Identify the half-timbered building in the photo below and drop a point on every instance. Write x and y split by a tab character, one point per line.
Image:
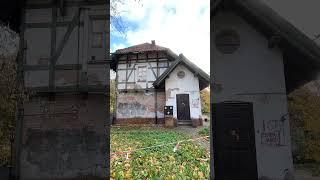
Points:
151	77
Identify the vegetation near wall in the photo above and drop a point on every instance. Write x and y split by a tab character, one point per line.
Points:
9	92
112	95
205	101
304	109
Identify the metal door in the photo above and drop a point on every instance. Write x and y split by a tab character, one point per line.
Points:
183	108
234	141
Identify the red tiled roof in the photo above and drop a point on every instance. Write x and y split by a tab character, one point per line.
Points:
141	48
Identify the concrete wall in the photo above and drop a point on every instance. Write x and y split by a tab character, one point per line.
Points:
254	73
64	138
139	107
188	85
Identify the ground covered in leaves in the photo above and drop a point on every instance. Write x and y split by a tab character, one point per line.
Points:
189	161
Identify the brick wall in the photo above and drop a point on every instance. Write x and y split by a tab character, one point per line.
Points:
64	138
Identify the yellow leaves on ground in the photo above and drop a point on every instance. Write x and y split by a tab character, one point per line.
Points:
159	162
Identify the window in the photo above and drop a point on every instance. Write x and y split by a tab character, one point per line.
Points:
227	41
142	73
181	74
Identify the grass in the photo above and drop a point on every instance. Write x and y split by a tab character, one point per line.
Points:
313	168
190	161
204	132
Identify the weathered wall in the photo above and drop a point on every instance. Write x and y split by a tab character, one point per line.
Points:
64	138
139	105
9	44
65	53
128	72
78	61
254	73
188	85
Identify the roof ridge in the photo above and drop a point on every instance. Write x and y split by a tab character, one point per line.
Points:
143	47
186	62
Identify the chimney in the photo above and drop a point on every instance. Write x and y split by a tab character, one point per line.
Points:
153	42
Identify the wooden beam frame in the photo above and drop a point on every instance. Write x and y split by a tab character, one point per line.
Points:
73	88
53	47
66	4
155	75
49	24
57	67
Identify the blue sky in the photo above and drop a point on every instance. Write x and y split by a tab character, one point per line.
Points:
183	26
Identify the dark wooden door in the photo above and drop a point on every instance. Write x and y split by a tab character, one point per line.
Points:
183	107
234	141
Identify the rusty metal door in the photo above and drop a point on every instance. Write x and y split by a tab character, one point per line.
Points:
183	108
234	141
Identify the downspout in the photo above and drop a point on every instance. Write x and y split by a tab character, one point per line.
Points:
20	84
156	105
114	117
155	92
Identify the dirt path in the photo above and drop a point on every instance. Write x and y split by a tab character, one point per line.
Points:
193	132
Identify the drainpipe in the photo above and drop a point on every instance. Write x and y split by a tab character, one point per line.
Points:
156	105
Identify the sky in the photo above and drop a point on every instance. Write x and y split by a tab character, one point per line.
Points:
181	25
304	15
184	25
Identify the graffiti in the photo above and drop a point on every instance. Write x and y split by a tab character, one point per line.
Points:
195	103
129	98
270	138
134	109
132	105
273	125
273	133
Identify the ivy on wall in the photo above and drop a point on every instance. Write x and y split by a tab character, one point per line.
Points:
304	112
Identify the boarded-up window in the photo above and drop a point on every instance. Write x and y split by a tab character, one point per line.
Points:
142	73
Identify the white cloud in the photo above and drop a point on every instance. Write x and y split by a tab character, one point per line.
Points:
115	46
183	26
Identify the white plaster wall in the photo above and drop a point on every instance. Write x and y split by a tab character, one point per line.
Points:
188	85
254	73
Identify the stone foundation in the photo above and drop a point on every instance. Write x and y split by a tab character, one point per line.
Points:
138	121
64	138
197	122
170	122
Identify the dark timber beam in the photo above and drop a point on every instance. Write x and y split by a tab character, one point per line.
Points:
53	46
48	24
57	67
66	4
154	73
134	66
126	72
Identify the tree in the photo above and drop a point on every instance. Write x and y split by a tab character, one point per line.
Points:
10	91
112	95
205	101
305	125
